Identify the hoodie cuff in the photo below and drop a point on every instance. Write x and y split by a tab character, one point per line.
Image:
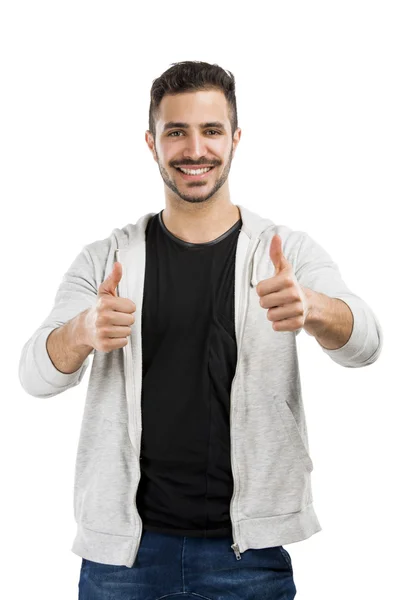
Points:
45	367
358	339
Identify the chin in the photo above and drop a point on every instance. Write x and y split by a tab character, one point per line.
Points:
194	200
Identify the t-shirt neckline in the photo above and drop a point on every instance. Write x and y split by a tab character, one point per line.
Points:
201	244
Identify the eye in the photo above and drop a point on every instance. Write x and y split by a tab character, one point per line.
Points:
208	130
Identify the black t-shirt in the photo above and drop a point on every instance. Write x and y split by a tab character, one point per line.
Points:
189	361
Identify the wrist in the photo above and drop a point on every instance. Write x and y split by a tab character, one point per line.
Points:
79	331
313	324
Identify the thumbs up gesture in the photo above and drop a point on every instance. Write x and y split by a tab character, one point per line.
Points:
107	324
282	294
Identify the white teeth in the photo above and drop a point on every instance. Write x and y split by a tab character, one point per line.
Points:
195	171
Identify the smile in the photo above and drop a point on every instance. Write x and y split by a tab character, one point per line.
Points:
194	174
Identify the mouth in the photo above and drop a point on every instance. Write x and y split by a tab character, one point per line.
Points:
194	174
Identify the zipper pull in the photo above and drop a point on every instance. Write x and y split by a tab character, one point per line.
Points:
235	548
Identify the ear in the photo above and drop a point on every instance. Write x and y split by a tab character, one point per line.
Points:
151	144
236	139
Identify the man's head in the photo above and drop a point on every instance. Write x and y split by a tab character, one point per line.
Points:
193	123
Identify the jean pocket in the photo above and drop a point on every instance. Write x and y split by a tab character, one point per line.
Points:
100	571
285	554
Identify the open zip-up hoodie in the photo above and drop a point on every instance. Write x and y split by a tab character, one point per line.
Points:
272	502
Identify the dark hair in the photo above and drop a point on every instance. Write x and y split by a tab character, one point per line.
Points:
192	76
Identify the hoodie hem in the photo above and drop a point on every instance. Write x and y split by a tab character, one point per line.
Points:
265	532
262	532
106	548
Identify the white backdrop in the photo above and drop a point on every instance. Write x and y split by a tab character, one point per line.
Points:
318	104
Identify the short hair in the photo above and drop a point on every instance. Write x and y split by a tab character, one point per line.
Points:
190	76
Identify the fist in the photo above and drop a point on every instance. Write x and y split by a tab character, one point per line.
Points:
281	295
108	323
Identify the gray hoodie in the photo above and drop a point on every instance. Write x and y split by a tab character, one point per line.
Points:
272	502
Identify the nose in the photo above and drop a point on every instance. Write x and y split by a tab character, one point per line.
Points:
195	147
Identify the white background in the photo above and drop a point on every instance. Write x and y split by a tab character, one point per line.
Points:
318	103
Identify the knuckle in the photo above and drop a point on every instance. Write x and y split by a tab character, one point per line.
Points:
103	331
100	320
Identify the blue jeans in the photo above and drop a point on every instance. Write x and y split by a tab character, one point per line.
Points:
180	567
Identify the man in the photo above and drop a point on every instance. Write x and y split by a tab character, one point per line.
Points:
193	467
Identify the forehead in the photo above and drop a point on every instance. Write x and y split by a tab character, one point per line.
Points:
193	108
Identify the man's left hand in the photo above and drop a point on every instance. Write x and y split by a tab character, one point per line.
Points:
282	294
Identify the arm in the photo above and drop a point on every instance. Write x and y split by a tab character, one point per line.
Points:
329	320
64	345
355	345
38	374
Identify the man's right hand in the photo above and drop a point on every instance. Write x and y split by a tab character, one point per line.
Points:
107	324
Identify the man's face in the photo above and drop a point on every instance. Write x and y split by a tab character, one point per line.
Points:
183	139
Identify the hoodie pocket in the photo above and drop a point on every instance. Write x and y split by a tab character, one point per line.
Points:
292	431
105	480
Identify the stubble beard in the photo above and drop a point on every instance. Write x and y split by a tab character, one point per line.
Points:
196	198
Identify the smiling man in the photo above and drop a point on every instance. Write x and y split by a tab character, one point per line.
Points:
193	138
202	145
193	467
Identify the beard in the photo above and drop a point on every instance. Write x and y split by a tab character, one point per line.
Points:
196	196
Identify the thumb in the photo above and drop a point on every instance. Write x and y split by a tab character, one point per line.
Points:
109	285
276	255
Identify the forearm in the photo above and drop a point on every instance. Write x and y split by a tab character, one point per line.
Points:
65	345
329	320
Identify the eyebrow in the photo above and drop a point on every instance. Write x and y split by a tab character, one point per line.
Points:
172	124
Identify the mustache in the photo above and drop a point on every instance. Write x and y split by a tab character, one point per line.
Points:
190	164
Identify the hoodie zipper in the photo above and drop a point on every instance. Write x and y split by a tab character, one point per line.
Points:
128	365
242	311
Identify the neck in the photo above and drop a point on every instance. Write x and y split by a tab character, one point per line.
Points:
199	223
